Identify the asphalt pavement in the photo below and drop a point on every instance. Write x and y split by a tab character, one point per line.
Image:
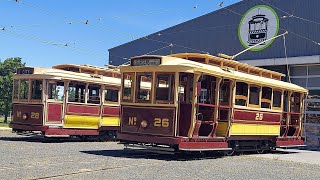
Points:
33	158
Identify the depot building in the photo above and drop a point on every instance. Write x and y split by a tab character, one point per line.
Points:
243	25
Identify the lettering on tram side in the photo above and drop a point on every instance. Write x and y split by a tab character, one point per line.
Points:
259	117
35	115
158	122
146	120
19	114
132	121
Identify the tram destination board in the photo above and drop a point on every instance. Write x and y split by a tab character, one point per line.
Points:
146	62
25	70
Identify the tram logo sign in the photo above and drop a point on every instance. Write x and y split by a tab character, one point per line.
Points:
257	25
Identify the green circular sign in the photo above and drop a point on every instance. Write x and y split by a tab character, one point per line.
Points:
257	25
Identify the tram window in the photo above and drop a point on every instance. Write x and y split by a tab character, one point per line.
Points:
111	95
94	94
185	88
36	89
266	97
224	93
16	89
164	87
285	101
208	84
295	102
254	95
76	92
24	89
127	83
144	83
277	99
241	93
56	91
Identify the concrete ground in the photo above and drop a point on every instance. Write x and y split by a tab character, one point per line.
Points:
32	158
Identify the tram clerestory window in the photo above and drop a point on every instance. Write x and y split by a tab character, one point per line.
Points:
266	97
36	89
254	95
24	89
164	87
111	95
241	93
16	89
94	94
144	84
56	91
127	83
76	92
277	99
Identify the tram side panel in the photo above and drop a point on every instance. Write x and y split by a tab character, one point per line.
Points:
27	117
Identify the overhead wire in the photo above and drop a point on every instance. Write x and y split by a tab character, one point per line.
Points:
291	14
63	45
87	22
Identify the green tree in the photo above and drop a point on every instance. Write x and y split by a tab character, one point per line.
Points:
7	69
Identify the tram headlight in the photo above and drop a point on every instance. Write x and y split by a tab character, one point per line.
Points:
25	116
144	124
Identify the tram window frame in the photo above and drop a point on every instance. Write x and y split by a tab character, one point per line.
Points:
185	89
93	99
36	90
279	97
224	95
80	98
112	90
294	104
257	104
242	96
139	77
128	85
56	85
266	98
16	83
25	92
208	88
170	83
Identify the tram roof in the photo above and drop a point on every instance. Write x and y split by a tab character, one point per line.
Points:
59	74
85	67
174	63
214	60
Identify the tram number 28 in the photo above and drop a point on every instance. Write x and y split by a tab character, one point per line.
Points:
259	117
158	122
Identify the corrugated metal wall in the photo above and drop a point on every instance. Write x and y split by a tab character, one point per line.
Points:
217	32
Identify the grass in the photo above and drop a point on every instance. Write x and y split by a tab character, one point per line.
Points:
2	124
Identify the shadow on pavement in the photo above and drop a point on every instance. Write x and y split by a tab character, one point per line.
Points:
41	139
140	154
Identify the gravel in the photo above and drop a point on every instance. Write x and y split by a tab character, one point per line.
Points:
32	158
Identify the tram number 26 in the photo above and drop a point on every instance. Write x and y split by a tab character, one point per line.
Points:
158	122
259	117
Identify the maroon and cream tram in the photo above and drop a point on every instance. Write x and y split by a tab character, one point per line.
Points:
66	100
199	102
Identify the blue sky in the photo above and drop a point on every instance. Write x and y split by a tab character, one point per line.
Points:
50	32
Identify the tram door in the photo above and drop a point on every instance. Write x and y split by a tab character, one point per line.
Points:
185	91
56	91
224	107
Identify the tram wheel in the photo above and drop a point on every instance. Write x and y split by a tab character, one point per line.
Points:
84	138
230	153
261	151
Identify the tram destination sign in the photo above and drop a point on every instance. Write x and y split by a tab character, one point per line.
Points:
146	62
25	70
